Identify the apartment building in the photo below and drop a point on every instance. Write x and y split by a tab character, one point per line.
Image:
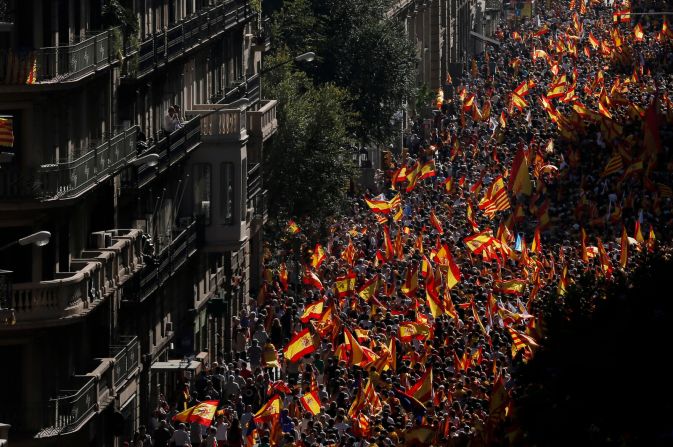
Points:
447	33
152	220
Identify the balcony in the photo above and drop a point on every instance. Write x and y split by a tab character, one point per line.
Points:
171	255
263	37
89	394
191	32
89	281
220	124
171	149
63	63
126	356
262	123
71	178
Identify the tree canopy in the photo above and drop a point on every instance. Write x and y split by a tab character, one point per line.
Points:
308	164
359	49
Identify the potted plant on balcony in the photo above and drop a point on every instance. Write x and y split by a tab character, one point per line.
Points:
125	33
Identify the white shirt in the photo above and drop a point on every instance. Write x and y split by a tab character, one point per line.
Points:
181	438
221	434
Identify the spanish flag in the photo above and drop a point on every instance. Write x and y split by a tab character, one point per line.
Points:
368	290
563	283
583	242
359	356
282	275
409	330
638	234
606	265
311	279
410	285
412	177
422	390
436	308
345	285
300	345
624	249
269	410
536	246
469	102
519	102
435	222
638	34
479	242
453	272
427	170
651	240
378	206
202	413
292	227
388	244
593	41
311	402
512	286
313	311
519	182
318	256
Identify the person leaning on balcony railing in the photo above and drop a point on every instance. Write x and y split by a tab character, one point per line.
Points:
179	119
171	121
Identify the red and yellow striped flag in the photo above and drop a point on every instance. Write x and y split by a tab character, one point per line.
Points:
6	132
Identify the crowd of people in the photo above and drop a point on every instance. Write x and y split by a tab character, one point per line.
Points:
404	324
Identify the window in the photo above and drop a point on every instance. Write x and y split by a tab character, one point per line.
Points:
227	193
202	185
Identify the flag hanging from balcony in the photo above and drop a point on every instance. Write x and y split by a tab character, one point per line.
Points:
6	132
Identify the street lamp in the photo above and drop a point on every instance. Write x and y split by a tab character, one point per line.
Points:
39	239
304	57
150	160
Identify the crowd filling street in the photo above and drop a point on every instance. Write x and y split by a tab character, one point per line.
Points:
401	322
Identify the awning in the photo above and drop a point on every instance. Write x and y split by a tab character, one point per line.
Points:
484	38
177	365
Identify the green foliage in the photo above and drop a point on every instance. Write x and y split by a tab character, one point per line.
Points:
115	14
290	28
359	49
256	5
308	162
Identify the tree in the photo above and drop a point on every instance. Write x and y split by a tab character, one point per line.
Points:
308	165
599	378
359	49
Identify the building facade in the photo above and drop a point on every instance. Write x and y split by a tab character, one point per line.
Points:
152	218
447	33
